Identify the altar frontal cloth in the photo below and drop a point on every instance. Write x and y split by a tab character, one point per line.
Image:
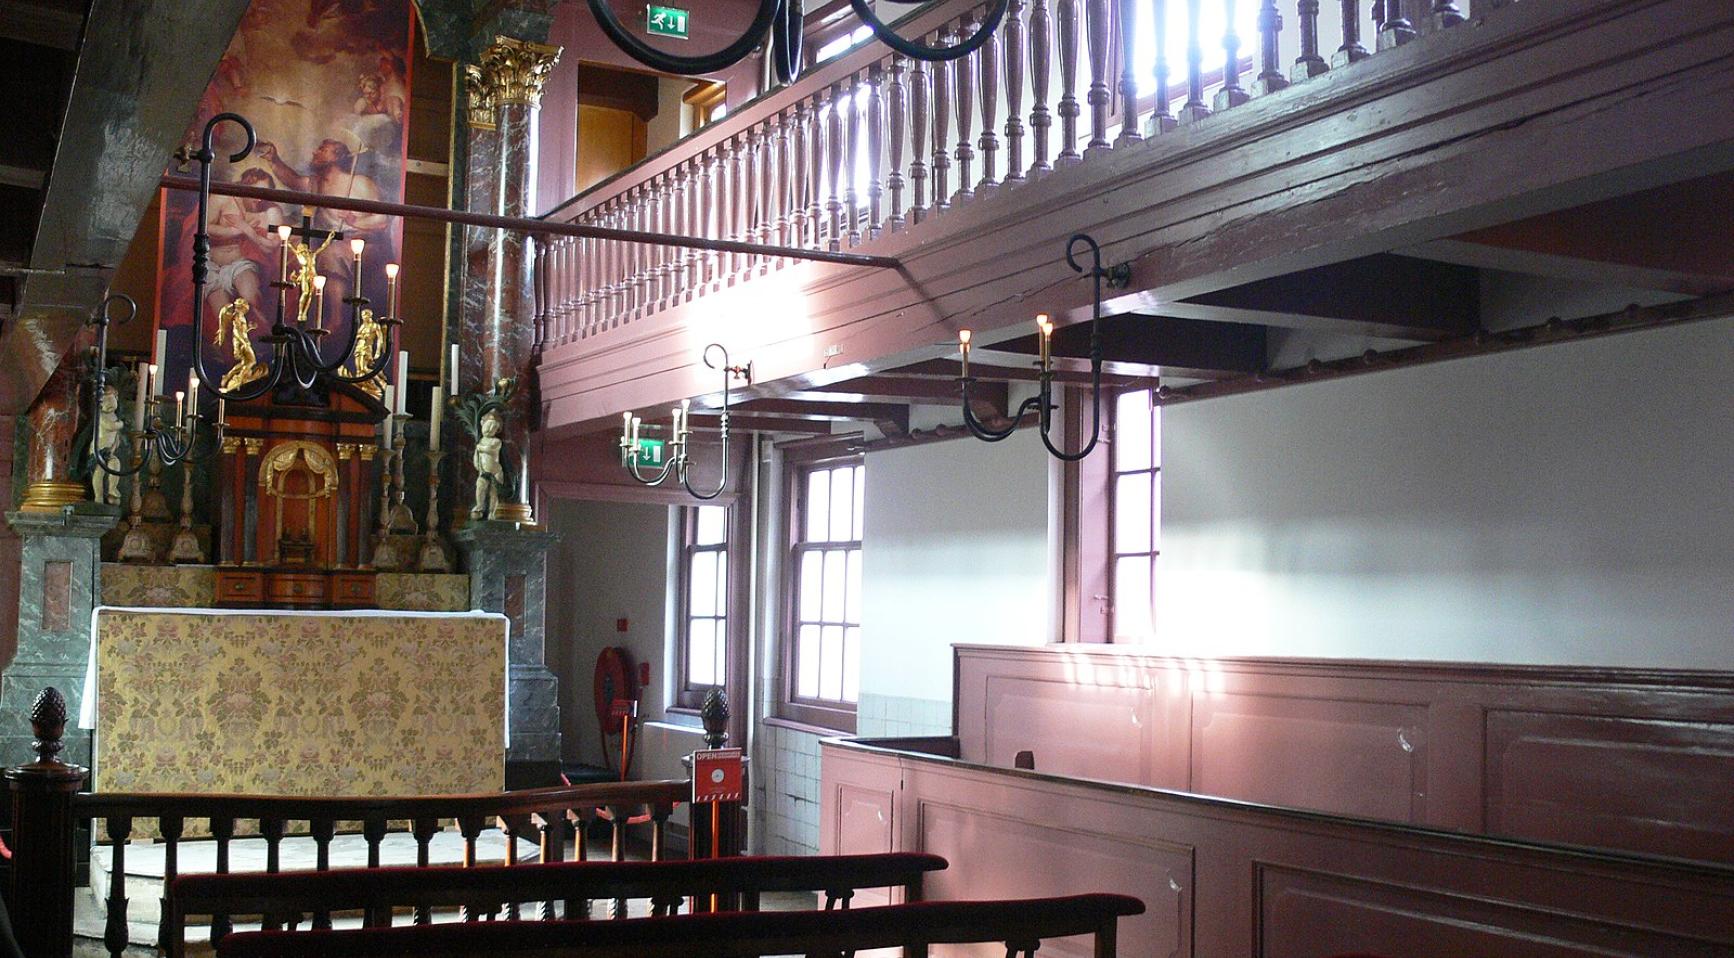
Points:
298	703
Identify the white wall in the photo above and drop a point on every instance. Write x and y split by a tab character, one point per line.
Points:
1567	504
955	550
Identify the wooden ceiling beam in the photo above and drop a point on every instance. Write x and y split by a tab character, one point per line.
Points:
1143	345
1388	296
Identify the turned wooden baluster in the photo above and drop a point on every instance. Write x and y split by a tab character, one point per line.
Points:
987	77
223	831
424	830
920	100
607	275
1131	129
114	933
1098	27
514	827
725	195
1162	119
895	106
1012	34
1066	15
737	200
767	213
963	87
619	216
707	216
687	265
785	233
851	157
1195	108
1446	14
746	198
1351	50
1270	78
835	152
574	288
795	171
668	257
618	816
875	107
1309	64
1232	94
322	830
170	827
816	168
641	209
470	827
552	828
942	131
271	829
1395	30
1041	70
583	250
650	256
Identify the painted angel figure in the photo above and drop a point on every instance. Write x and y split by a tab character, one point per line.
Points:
233	321
490	474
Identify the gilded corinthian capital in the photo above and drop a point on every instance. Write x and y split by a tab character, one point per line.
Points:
512	71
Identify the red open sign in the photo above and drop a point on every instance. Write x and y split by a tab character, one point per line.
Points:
716	775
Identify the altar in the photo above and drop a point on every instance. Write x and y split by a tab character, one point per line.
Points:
297	703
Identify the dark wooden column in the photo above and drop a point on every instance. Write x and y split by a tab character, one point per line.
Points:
43	859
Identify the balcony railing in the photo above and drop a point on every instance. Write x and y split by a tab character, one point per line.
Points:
872	143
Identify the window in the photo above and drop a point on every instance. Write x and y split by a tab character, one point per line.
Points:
823	651
705	600
1136	505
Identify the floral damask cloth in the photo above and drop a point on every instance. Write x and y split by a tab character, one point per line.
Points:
299	703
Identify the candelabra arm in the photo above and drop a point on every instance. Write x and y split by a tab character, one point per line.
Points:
985	432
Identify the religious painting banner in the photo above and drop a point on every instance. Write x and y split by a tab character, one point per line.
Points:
298	703
325	84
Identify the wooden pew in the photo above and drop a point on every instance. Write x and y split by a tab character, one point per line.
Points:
1021	926
491	892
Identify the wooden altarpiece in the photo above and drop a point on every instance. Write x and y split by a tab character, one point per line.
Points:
296	485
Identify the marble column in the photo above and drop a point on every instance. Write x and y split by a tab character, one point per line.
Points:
57	589
53	422
508	567
497	318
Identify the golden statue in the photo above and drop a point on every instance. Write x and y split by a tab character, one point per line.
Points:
370	344
233	320
306	271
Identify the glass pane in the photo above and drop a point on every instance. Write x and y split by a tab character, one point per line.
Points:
722	647
1156	512
831	664
807	662
702	596
842	503
852	603
1132	617
834	585
701	654
1132	431
1132	512
851	665
1156	436
712	525
818	504
810	582
722	584
860	501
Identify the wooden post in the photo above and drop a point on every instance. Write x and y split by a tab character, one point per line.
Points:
1309	64
1232	94
1013	34
40	896
963	88
1270	77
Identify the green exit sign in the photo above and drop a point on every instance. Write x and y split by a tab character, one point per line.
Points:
665	21
649	452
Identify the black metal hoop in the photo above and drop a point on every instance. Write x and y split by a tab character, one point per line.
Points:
920	51
786	41
669	63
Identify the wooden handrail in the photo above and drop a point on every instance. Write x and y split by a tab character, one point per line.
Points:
1021	925
355	808
483	891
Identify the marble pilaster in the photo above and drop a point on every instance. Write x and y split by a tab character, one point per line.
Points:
508	567
57	589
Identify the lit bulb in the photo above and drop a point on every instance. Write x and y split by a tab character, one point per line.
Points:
319	283
283	232
963	336
1044	323
390	268
357	245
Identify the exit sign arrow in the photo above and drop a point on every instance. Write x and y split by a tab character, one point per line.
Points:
665	22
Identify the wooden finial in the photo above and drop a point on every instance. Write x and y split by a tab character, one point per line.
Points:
48	723
715	715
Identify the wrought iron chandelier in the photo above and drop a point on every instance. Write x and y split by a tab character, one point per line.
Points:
295	342
780	22
679	462
1042	403
170	439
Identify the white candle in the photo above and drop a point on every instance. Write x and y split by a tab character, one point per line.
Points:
180	406
402	379
357	246
222	411
283	252
138	403
524	478
386	424
452	372
192	395
685	419
625	427
436	419
156	383
159	359
391	288
319	301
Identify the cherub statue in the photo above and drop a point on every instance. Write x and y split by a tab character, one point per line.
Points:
234	322
110	430
490	475
370	343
